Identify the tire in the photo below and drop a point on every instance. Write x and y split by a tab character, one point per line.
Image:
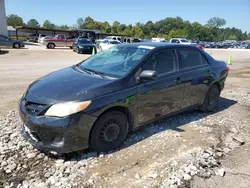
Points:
51	46
71	47
77	50
211	99
16	45
109	131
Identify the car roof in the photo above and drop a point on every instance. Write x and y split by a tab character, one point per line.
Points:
157	45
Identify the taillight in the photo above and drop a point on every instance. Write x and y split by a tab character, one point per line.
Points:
227	69
199	46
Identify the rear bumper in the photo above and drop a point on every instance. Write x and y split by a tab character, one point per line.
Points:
62	135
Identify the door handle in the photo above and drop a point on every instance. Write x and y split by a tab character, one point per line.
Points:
178	80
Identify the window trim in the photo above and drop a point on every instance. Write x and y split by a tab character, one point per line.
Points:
181	62
177	65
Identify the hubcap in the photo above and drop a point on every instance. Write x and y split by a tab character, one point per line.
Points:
16	45
110	131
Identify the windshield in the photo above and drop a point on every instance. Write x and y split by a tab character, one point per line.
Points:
116	61
184	40
83	41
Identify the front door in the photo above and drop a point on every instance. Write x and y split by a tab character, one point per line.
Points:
4	41
163	95
196	74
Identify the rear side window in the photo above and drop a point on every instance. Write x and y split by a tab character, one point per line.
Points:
204	60
190	58
161	62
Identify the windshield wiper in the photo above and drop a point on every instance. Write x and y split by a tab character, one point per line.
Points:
95	72
82	69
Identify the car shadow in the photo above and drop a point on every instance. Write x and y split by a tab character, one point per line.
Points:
2	52
32	44
173	122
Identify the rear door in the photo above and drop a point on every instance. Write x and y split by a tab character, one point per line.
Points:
196	74
163	95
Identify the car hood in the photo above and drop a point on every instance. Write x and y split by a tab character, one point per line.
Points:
68	84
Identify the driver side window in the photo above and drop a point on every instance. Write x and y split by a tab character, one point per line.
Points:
3	37
161	62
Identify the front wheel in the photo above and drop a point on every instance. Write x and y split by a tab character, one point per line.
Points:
211	99
51	46
78	50
109	132
16	45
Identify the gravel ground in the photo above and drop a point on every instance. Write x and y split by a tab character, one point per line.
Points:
152	160
192	149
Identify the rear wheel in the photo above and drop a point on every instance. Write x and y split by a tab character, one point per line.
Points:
211	99
16	45
109	131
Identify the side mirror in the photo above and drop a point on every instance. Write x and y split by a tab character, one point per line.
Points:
148	75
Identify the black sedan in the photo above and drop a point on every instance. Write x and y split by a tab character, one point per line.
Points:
95	103
83	45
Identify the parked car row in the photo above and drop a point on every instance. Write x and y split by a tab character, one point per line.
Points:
225	45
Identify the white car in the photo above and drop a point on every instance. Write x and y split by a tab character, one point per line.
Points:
180	41
158	40
106	44
113	38
42	38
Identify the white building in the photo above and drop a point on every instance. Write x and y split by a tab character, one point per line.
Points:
3	21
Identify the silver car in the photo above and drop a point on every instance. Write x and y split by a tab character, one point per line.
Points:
10	43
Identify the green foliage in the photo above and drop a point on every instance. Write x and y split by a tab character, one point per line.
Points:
115	27
136	31
216	22
167	28
63	27
14	20
47	24
33	23
79	22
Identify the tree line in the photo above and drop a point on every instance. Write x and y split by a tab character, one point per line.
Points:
166	28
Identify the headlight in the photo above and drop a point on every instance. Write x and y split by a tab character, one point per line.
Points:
81	46
68	108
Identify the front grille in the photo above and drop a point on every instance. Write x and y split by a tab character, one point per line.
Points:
34	108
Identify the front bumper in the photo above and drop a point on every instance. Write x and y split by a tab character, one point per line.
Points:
62	135
87	49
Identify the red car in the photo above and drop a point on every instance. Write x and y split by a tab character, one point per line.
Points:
58	41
